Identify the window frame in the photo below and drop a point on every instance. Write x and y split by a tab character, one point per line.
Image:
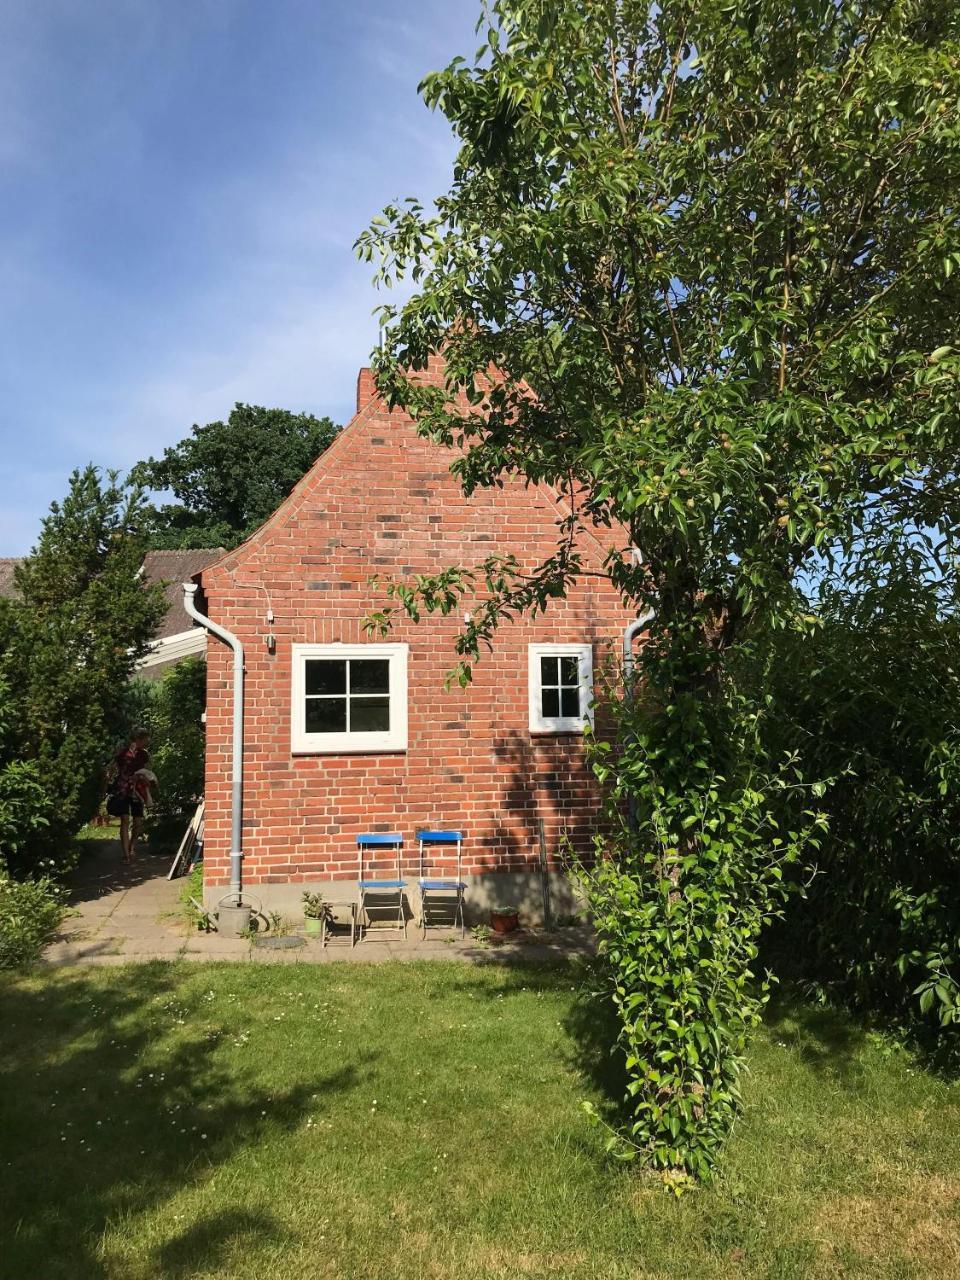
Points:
539	723
303	743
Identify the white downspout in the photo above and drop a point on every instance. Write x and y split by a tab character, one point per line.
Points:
236	828
629	635
633	629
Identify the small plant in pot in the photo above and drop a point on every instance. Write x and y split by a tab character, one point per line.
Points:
315	911
504	919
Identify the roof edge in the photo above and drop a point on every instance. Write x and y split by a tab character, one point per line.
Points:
344	438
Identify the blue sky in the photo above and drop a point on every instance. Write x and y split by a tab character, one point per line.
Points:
181	182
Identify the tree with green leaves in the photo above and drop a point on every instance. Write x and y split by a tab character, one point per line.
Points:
228	477
712	251
25	805
172	708
870	698
70	643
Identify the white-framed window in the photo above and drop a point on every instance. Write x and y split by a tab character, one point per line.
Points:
349	697
561	687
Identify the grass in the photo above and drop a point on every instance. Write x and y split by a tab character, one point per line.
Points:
423	1121
159	839
110	830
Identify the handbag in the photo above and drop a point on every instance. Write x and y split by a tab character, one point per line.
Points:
116	806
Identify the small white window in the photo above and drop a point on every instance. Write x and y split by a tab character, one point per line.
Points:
349	698
561	687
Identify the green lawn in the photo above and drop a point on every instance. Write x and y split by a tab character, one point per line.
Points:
424	1121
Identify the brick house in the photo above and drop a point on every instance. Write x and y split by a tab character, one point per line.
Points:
345	734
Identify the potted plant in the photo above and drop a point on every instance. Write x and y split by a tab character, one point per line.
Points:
315	911
504	919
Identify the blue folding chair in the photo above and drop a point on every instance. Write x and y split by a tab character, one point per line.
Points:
377	892
440	896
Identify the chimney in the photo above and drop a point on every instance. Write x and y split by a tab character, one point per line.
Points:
366	390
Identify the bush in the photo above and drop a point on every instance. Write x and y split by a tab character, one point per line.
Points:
871	701
25	805
691	870
30	911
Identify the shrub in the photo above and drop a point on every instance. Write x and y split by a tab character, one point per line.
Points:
871	700
30	911
25	805
689	873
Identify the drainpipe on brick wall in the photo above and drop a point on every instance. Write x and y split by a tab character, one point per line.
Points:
631	633
629	636
236	825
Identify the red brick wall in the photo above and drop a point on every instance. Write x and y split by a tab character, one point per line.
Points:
382	501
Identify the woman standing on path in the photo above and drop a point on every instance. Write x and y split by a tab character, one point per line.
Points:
123	802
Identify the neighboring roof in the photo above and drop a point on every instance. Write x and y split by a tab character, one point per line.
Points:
168	651
175	568
8	587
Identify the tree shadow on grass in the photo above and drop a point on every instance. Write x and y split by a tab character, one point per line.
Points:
828	1040
209	1242
110	1104
594	1029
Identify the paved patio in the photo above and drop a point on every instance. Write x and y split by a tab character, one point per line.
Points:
127	914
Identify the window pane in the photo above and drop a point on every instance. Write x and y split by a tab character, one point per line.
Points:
369	675
569	673
570	702
548	671
550	704
326	715
326	676
369	715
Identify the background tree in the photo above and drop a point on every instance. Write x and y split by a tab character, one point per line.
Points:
71	641
870	699
711	250
228	477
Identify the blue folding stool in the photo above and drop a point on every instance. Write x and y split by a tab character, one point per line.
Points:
440	895
373	886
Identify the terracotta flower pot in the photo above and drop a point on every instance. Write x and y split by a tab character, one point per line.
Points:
504	921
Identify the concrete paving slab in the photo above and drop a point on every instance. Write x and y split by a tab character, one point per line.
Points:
215	948
126	914
207	957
